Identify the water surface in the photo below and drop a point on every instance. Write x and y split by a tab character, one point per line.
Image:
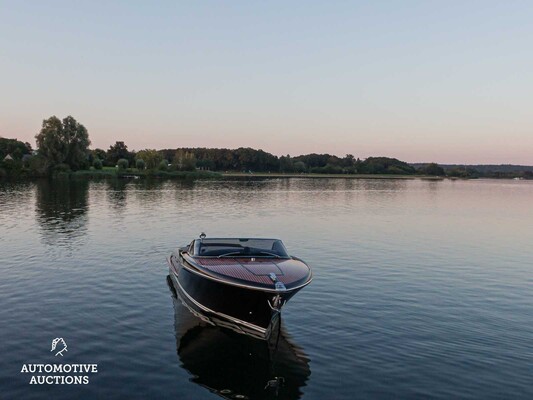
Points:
422	289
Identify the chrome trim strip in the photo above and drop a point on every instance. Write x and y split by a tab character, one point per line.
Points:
247	286
206	309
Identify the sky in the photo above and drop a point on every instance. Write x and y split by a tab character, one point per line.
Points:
443	81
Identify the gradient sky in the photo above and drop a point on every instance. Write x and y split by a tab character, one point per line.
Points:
445	81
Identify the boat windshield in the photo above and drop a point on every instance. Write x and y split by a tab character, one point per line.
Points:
241	248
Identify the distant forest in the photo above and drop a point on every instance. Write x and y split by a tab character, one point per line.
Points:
63	146
486	170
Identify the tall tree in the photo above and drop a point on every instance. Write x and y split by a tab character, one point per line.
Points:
117	151
152	158
64	141
99	154
286	164
184	160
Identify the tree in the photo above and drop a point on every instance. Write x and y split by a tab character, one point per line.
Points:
123	163
313	159
163	165
348	161
97	163
299	166
37	166
99	154
385	165
13	147
63	142
140	164
463	172
432	169
189	164
151	157
286	164
116	152
185	160
206	164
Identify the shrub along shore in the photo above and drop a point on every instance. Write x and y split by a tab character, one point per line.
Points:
134	173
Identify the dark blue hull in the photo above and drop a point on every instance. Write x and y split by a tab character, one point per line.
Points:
252	310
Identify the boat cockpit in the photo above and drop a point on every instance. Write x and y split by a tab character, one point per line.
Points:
237	247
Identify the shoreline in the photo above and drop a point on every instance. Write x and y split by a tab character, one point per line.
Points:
337	176
112	173
148	174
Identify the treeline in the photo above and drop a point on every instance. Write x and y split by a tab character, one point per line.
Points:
495	171
502	171
15	157
63	146
251	160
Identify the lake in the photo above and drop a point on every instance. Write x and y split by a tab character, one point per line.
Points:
422	289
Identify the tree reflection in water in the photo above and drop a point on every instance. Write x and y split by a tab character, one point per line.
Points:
234	365
61	211
116	193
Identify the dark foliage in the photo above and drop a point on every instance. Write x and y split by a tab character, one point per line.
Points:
116	152
97	163
64	142
385	165
123	163
432	169
13	147
98	154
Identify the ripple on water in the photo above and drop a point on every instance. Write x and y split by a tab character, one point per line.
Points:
421	289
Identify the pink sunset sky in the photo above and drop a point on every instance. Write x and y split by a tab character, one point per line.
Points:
445	82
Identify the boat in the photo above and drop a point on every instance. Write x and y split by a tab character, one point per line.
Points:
244	282
235	366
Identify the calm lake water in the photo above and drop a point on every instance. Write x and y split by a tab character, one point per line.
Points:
422	289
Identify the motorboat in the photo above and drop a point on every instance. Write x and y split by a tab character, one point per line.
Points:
241	281
235	366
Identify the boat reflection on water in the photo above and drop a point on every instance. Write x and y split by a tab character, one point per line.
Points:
235	365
